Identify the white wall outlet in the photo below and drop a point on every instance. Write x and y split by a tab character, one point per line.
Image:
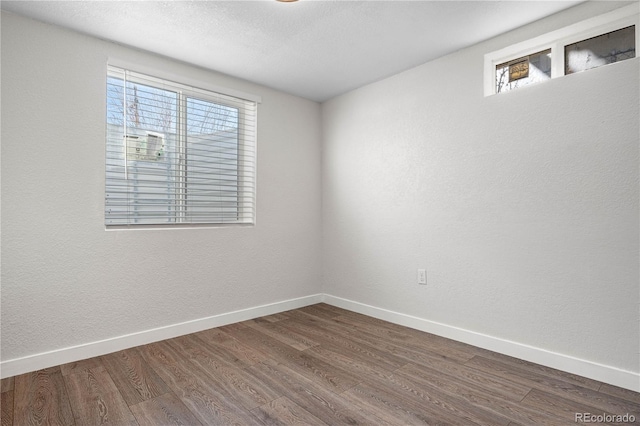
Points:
422	276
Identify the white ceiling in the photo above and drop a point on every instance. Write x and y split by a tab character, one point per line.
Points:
311	48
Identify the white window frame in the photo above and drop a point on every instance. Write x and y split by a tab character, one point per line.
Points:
199	89
557	40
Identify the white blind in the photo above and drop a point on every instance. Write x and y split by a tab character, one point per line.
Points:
177	154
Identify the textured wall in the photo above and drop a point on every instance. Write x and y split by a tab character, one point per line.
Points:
523	207
65	280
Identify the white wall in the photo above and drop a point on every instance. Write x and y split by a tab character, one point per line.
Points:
65	280
523	207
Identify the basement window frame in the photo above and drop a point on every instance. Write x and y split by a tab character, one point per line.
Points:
188	91
556	41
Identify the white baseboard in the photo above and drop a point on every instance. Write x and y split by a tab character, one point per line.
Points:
600	372
35	362
581	367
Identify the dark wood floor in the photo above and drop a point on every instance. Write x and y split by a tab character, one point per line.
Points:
313	366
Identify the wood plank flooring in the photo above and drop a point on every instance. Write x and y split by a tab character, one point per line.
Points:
319	365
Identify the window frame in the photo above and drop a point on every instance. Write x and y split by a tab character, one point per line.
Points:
557	40
196	90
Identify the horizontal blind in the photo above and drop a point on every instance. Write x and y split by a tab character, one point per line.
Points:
177	154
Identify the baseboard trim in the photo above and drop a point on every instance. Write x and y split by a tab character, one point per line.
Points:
581	367
35	362
600	372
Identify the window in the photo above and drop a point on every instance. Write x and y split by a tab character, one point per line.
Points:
523	71
176	154
604	49
598	41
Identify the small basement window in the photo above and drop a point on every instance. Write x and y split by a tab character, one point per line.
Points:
598	41
523	71
604	49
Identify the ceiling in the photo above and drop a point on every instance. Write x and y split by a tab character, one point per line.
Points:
310	48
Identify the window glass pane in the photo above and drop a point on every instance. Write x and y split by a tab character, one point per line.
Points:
212	171
523	71
141	172
601	50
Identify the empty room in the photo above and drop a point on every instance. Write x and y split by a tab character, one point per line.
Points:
320	212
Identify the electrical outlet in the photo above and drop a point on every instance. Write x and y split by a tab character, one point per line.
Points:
422	276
